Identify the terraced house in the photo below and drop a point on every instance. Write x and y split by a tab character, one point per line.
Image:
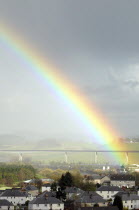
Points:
123	180
48	203
16	197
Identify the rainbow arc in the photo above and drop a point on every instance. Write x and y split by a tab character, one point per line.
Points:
85	112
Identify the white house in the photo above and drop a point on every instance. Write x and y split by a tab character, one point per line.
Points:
15	196
6	205
130	201
123	180
46	187
49	203
108	192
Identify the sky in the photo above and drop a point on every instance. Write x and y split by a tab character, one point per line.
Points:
94	44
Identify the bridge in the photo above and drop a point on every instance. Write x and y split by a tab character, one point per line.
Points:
66	151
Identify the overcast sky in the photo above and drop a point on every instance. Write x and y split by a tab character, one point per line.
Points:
94	43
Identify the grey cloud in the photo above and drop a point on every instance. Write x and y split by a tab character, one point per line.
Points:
94	43
132	83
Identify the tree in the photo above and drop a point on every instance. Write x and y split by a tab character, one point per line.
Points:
66	180
77	178
61	195
62	182
54	186
98	185
118	202
86	186
38	183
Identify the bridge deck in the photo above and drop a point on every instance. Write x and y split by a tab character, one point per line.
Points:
70	150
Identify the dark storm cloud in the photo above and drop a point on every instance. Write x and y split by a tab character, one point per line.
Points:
108	28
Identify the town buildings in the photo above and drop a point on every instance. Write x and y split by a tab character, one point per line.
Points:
123	180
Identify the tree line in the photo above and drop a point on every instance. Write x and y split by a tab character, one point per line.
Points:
12	173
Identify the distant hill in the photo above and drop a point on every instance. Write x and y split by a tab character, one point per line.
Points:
47	143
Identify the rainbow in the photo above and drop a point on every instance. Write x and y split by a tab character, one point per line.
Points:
85	112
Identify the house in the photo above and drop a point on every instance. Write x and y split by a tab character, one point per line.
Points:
107	192
15	196
123	180
97	179
105	179
31	189
6	205
90	201
49	203
46	187
72	192
94	178
130	201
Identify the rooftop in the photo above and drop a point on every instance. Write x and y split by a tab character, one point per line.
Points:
122	177
30	188
5	203
109	188
13	193
91	199
44	200
73	190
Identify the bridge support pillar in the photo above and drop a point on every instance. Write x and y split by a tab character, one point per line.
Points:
96	157
127	159
66	157
20	157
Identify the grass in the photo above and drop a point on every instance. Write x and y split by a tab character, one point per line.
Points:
3	187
